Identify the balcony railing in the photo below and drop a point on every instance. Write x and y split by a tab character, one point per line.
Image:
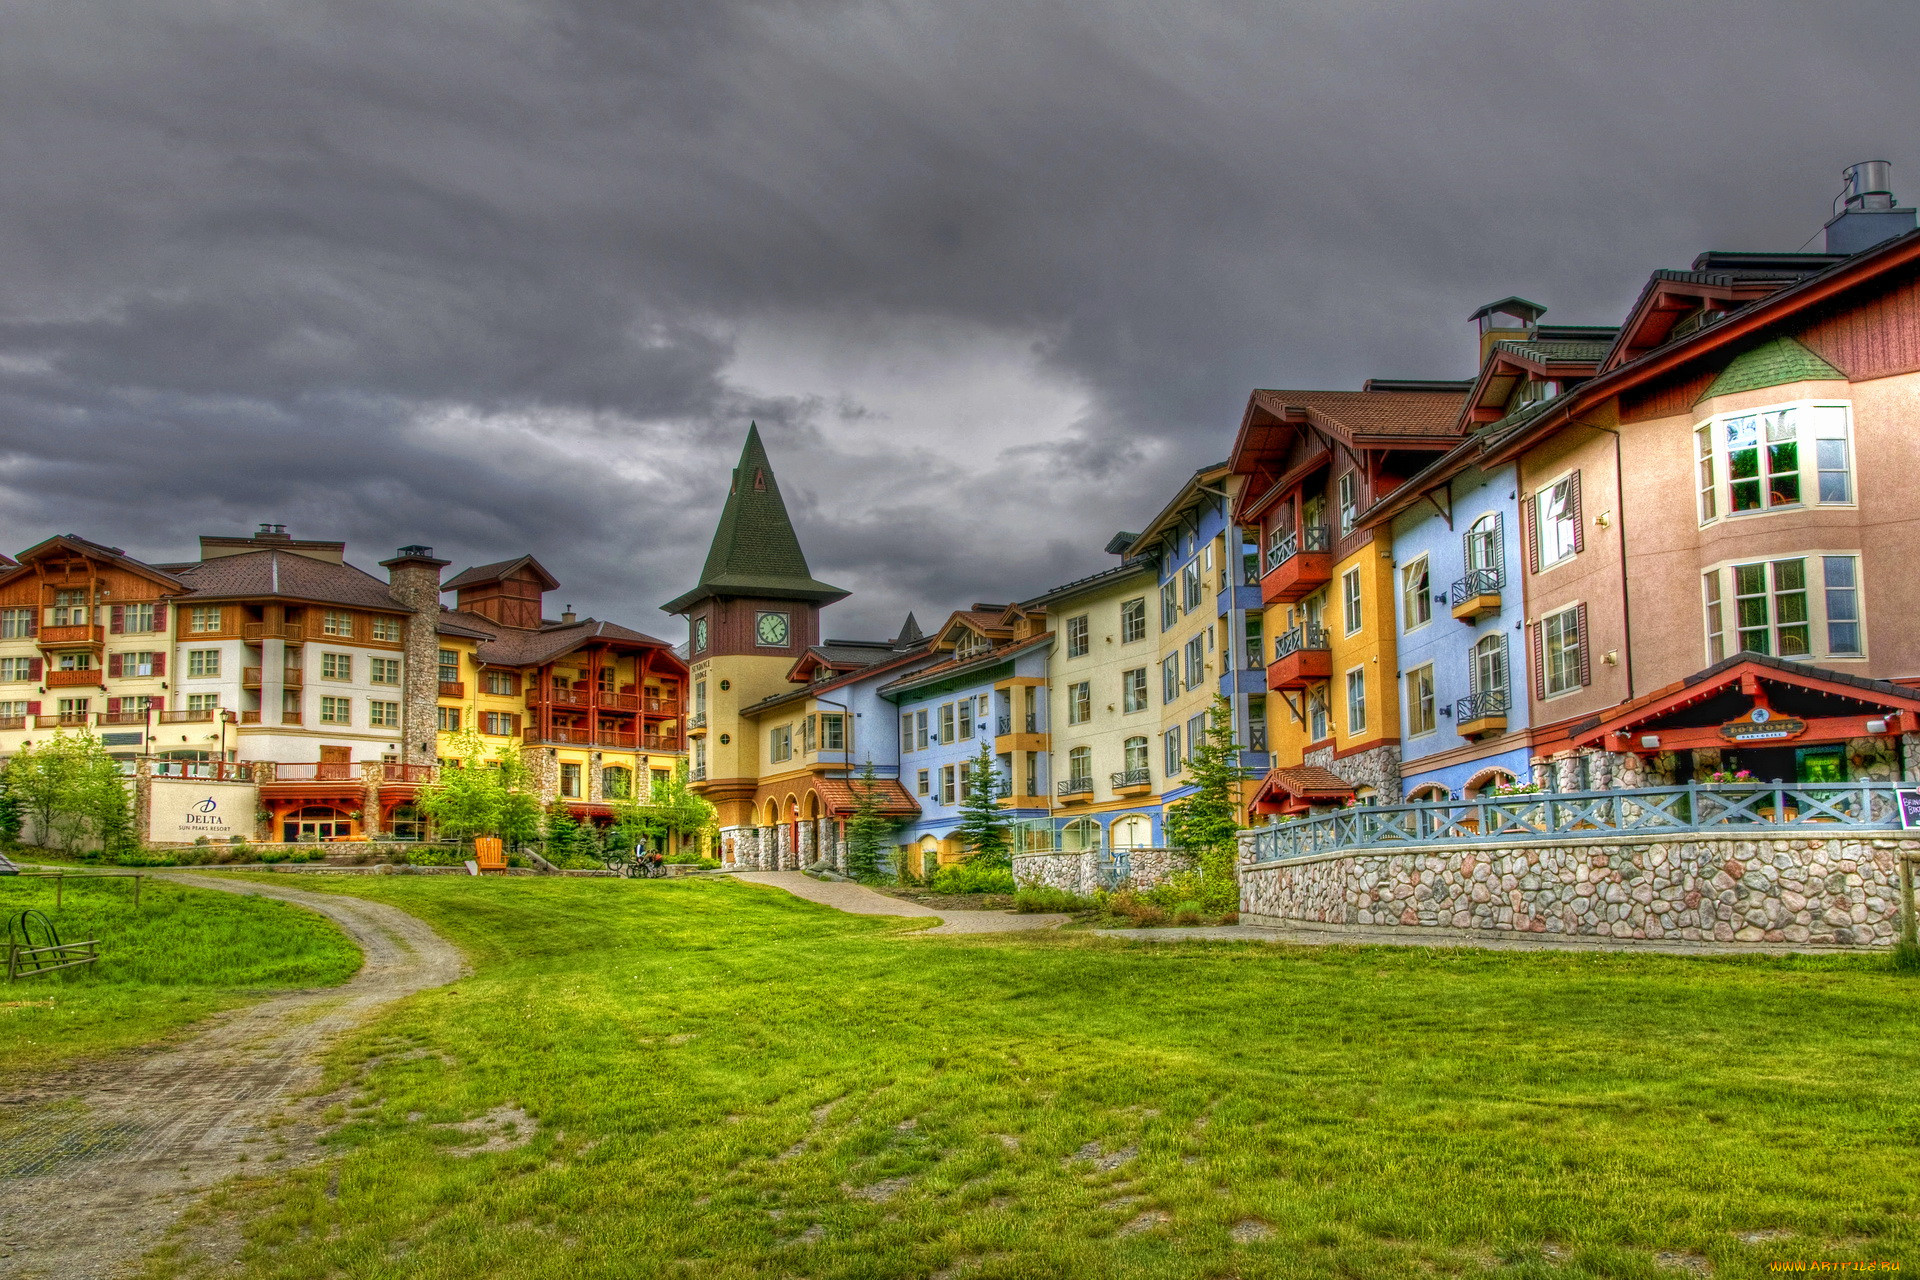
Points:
289	717
697	773
1076	787
291	678
8	723
64	720
1313	537
1133	778
1257	736
663	706
608	700
564	735
1031	720
1479	706
394	771
453	688
250	717
661	742
87	677
617	740
272	631
62	637
698	720
579	696
1250	569
1291	642
205	715
318	771
212	770
1582	814
1477	583
123	717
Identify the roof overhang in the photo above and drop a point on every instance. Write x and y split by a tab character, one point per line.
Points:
1297	789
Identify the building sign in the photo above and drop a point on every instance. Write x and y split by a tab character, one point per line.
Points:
1762	725
122	739
181	810
1909	809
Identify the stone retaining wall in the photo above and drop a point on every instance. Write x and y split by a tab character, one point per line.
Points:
1745	887
1079	873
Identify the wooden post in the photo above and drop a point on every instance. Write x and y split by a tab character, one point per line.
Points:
1907	927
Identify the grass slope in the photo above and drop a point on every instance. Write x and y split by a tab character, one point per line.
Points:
727	1082
180	955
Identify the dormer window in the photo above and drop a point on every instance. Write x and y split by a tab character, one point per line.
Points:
971	645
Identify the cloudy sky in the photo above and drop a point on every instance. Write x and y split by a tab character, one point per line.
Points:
513	275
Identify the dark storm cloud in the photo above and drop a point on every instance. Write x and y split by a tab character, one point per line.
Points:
478	273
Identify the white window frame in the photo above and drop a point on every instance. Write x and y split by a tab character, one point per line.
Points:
1561	622
1133	691
1351	601
1713	469
1416	606
1169	605
1422	708
1170	679
1349	490
1078	632
377	713
1079	702
336	622
1319	714
1550	555
200	615
387	630
1356	701
1133	620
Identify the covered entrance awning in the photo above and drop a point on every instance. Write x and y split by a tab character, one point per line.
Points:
1297	788
1752	702
840	796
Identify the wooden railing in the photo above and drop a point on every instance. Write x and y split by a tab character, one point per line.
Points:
55	637
276	631
453	688
318	771
1535	816
212	770
64	720
89	677
394	771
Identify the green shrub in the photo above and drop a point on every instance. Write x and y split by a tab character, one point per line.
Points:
1042	900
1188	914
1906	957
968	877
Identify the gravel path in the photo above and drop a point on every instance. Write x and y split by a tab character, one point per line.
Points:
98	1160
844	895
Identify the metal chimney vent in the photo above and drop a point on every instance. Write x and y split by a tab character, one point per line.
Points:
1866	215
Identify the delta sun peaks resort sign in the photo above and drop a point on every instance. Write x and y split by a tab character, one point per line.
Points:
181	811
1763	724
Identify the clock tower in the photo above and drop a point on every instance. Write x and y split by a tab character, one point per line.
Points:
755	611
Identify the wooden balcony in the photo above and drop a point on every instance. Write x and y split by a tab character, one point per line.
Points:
663	742
663	706
123	717
1477	595
91	677
1298	566
453	688
257	631
205	716
250	717
1302	657
608	700
64	720
392	771
579	696
318	771
289	717
559	735
9	723
292	678
92	637
211	770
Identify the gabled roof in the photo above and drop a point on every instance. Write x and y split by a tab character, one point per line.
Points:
900	661
1294	788
1731	280
842	796
832	656
481	574
1274	420
958	666
755	551
988	621
285	575
517	647
1193	494
76	545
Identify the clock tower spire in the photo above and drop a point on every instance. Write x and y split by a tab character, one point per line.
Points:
754	611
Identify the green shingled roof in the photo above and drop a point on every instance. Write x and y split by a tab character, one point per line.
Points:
755	551
1772	364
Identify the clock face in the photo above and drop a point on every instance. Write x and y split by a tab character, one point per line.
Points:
771	628
699	635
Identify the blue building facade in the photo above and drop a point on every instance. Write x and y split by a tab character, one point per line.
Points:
1462	660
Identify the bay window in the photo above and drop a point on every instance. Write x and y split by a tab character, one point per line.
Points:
1762	460
1791	607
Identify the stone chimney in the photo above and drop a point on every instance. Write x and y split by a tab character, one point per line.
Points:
413	578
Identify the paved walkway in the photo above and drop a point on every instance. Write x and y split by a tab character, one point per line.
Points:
857	899
100	1158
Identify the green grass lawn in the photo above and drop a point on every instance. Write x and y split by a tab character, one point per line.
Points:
728	1082
181	954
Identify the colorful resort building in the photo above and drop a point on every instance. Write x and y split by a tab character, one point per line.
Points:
316	697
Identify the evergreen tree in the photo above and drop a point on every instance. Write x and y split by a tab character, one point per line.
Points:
12	815
519	820
985	828
1207	823
867	829
564	839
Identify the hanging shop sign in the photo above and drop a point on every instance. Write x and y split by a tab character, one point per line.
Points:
1763	724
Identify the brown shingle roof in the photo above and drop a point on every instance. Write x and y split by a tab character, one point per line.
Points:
483	573
1415	414
513	647
1308	780
280	575
840	795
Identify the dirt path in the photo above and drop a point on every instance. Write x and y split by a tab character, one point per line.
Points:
862	901
97	1161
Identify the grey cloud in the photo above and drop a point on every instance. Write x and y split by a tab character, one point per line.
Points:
254	252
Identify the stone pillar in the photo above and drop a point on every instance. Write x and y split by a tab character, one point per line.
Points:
414	580
809	842
371	772
596	775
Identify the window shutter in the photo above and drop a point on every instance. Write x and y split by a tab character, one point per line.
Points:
1499	548
1579	518
118	623
1586	664
1473	671
1529	519
113	706
159	664
160	616
34	667
516	724
1540	661
33	708
156	704
115	661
